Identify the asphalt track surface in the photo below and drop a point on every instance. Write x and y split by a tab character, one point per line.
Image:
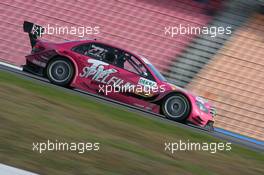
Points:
100	99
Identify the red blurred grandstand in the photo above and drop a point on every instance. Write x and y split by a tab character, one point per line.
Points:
226	69
135	25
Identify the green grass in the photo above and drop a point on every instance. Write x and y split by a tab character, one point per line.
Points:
129	143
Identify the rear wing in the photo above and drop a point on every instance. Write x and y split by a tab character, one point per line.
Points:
34	31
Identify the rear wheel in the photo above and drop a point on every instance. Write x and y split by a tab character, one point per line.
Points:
60	71
176	107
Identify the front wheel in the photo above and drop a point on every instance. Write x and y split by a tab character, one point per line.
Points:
176	107
60	71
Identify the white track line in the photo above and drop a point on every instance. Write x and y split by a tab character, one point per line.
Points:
10	65
8	170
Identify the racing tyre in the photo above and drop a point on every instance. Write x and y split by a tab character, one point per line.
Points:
60	71
176	107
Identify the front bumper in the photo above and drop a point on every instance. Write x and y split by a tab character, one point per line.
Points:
200	118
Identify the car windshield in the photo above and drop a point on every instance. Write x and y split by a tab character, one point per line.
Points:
156	72
153	69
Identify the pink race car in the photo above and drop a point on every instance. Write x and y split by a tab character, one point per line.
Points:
115	73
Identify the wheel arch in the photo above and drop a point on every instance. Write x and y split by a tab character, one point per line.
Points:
161	100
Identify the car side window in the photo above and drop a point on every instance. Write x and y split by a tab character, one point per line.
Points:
132	64
129	67
81	49
97	51
94	50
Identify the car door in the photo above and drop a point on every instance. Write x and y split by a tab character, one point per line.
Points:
131	79
92	68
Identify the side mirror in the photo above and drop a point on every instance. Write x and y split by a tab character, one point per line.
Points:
145	74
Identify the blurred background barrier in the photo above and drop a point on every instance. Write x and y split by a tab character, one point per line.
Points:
134	25
233	80
227	69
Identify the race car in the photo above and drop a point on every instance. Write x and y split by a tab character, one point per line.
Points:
115	73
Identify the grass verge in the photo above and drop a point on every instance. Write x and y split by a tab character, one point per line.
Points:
129	143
